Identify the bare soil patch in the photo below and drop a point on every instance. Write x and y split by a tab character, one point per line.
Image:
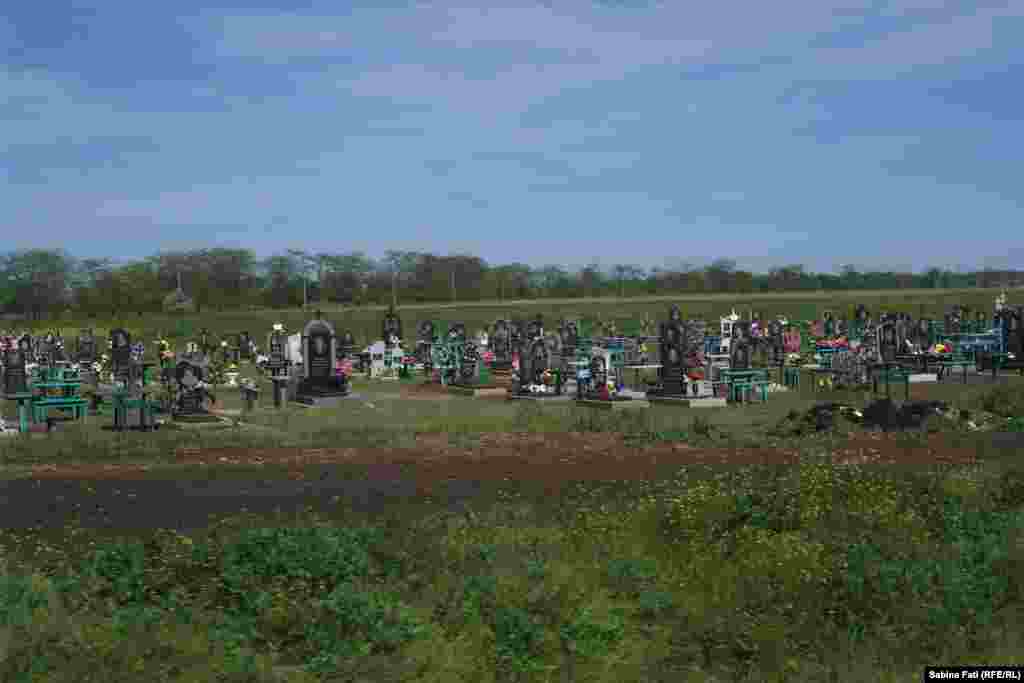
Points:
425	391
552	459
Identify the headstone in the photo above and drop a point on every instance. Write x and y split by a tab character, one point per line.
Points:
469	366
535	328
425	344
571	336
672	350
320	383
191	397
952	320
121	354
501	345
15	379
277	358
793	340
888	343
739	348
776	342
85	348
346	344
391	328
1014	330
599	375
922	333
861	314
533	363
244	346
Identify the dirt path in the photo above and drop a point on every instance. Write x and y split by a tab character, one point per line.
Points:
218	482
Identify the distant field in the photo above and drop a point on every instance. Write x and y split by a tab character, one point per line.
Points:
364	322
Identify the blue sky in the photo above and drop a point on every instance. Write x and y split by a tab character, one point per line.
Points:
820	132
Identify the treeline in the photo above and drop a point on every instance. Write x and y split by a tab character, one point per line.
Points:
39	283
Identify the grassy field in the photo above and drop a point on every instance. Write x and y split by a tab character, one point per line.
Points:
413	537
365	322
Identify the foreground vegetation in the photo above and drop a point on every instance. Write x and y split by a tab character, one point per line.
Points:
815	572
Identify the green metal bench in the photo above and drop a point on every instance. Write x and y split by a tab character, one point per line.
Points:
122	403
41	406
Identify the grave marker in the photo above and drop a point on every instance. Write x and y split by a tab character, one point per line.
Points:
320	383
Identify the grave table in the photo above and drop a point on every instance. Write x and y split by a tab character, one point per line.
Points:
69	400
740	380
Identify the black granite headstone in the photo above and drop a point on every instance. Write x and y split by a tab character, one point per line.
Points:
391	328
888	344
15	380
501	344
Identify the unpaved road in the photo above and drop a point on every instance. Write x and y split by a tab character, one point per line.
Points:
219	482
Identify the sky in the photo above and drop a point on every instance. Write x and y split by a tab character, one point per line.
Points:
821	132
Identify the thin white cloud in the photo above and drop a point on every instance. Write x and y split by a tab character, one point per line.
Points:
929	44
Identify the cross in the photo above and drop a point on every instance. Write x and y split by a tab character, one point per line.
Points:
319	315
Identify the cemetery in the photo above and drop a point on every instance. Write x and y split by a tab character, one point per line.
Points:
444	420
672	363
